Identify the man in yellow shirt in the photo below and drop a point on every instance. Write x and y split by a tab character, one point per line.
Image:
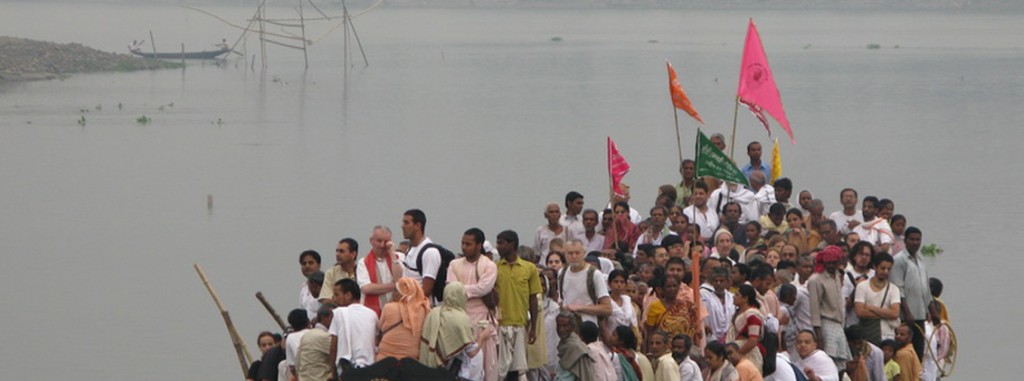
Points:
518	284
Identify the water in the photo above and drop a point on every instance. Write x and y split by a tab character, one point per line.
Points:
477	117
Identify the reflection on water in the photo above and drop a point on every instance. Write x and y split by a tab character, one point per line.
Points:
480	119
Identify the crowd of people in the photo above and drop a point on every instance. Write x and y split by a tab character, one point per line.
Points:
720	282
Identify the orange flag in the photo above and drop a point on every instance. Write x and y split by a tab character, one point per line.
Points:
679	98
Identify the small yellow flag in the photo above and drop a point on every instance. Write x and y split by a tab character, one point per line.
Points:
776	162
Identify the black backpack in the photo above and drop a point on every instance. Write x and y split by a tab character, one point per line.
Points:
441	279
770	342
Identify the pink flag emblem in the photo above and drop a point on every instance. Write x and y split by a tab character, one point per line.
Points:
617	166
757	88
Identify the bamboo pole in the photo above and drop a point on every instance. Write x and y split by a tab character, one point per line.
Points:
244	357
735	117
611	196
679	141
305	44
271	310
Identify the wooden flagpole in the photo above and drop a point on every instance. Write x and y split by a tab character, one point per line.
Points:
611	195
244	357
679	141
735	117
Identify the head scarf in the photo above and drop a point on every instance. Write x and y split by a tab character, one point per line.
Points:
447	329
413	305
830	254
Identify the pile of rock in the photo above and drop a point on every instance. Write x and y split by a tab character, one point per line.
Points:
24	59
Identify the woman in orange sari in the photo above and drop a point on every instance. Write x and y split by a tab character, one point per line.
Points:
401	321
668	313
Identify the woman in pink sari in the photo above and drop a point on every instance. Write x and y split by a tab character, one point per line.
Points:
401	321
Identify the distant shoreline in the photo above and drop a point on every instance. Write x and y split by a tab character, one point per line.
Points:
29	60
971	6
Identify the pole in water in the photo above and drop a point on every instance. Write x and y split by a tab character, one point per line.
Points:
209	203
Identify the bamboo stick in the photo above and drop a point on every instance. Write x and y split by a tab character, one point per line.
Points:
244	357
270	309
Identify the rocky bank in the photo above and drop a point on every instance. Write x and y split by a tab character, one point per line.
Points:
23	59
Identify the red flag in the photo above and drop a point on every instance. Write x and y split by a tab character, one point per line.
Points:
757	85
617	166
679	98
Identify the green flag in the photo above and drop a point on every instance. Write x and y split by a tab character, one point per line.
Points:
711	161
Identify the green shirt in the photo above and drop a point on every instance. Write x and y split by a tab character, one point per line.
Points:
516	282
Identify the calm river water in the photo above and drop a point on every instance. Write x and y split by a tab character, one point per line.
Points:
478	117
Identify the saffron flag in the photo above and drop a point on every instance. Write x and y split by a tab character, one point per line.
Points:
776	162
617	166
711	161
757	88
679	98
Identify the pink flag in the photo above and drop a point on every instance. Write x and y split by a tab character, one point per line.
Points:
617	166
757	85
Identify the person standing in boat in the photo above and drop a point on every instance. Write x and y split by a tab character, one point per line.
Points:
699	213
477	273
549	231
910	274
828	307
345	268
414	225
573	217
353	329
309	262
849	217
518	284
378	273
874	229
754	153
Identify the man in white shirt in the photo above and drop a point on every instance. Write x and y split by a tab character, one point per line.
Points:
879	299
353	329
573	219
849	217
414	224
764	193
715	296
874	229
299	323
656	230
577	295
688	369
593	239
379	270
699	213
309	262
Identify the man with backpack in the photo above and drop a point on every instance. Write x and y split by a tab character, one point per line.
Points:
584	291
426	262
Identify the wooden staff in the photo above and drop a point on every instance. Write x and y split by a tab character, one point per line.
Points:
273	313
244	357
735	118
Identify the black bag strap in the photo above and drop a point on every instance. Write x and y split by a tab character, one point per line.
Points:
419	257
885	296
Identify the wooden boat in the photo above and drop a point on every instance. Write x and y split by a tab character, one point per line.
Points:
203	55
